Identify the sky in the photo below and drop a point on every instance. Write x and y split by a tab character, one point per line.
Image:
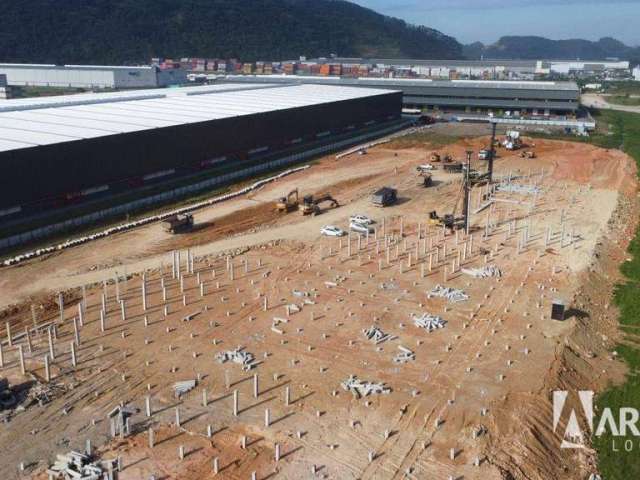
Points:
488	20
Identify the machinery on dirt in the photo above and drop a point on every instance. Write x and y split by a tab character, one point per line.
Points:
180	223
528	154
289	203
435	157
427	181
450	221
512	141
453	167
384	197
311	205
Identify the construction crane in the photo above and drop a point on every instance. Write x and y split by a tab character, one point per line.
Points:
449	220
288	203
311	205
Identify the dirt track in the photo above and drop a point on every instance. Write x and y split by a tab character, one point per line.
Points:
498	351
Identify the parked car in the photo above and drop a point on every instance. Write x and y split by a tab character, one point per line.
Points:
360	228
361	219
331	231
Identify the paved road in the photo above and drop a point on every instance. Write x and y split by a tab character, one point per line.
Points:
593	100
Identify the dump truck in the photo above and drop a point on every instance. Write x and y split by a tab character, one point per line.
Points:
288	203
311	205
384	197
178	223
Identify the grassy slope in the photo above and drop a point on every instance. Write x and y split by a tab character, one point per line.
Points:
620	465
624	100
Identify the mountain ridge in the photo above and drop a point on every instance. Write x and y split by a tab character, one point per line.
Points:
133	31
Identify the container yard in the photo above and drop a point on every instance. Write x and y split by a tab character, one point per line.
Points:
354	342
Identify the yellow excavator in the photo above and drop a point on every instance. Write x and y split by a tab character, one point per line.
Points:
311	205
288	203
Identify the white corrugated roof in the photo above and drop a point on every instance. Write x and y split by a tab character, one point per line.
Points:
30	122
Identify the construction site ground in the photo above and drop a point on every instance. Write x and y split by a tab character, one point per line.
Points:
475	401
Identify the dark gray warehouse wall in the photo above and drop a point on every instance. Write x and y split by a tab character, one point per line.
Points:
47	172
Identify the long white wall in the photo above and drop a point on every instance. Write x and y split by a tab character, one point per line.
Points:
79	77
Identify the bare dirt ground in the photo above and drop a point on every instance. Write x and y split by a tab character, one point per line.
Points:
480	385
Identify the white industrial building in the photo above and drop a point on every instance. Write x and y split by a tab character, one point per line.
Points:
636	73
565	67
90	76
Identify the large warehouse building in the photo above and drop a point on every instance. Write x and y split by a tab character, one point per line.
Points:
61	149
537	98
89	76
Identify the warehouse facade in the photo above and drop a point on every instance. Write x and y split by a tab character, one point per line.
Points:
66	149
537	98
89	76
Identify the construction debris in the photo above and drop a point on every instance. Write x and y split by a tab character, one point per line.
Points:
376	335
454	295
428	322
486	271
180	388
246	359
509	187
405	355
119	419
360	388
77	466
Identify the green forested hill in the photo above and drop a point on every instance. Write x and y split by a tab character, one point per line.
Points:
129	31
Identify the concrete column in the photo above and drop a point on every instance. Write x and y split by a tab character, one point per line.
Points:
61	306
267	418
235	403
255	385
52	351
21	355
73	354
1	356
287	396
8	329
47	371
205	401
178	417
81	314
27	336
102	319
277	452
76	333
151	438
147	405
144	295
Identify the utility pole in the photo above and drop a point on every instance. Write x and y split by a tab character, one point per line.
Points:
492	151
467	192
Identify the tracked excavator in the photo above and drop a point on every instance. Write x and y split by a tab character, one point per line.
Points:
288	203
311	205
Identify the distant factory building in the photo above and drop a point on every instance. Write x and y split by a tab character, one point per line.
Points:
537	98
572	67
90	76
58	151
